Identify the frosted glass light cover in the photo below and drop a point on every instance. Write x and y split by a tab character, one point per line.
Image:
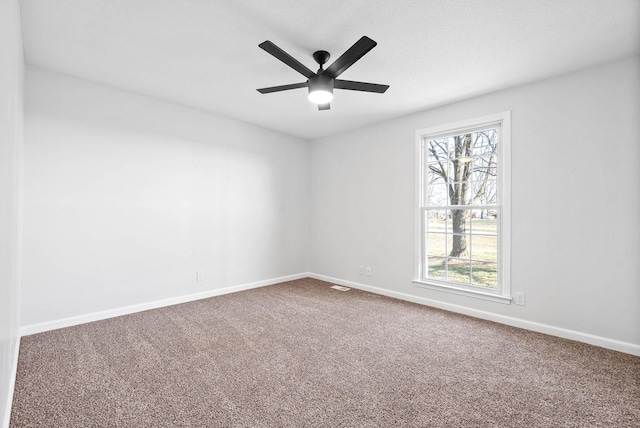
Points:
320	97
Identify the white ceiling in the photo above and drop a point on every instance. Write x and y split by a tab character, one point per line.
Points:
204	53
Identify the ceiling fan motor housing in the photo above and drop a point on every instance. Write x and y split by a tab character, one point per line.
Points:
320	82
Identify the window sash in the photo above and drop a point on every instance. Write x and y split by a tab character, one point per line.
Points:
469	233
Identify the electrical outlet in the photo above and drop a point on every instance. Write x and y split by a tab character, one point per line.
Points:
360	270
518	299
367	271
199	276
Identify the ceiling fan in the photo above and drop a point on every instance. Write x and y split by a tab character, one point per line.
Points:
322	83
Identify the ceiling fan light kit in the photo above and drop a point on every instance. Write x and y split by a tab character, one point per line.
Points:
320	89
322	83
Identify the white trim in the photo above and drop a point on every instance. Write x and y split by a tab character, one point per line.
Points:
96	316
505	203
503	120
419	203
12	384
603	342
462	291
462	125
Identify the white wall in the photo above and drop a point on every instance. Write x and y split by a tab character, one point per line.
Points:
126	197
575	203
11	100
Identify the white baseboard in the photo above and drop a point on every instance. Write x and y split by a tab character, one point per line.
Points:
603	342
12	384
96	316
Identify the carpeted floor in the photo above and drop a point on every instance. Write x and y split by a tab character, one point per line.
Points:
300	354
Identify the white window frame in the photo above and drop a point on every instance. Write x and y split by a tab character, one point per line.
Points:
503	154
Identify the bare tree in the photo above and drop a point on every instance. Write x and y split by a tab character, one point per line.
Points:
466	164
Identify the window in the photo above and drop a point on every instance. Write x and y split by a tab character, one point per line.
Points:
463	212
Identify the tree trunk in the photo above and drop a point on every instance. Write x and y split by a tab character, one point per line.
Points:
458	191
459	247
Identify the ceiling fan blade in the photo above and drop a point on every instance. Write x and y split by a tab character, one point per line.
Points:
274	50
360	86
282	88
326	106
354	53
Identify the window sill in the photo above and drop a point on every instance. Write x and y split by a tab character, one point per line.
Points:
463	291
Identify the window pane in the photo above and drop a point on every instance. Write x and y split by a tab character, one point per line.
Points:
459	245
484	142
485	274
459	270
483	165
484	193
438	149
458	221
438	172
484	222
484	248
436	220
459	149
436	268
437	244
451	147
437	195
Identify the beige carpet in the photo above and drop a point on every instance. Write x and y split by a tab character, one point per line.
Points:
300	354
